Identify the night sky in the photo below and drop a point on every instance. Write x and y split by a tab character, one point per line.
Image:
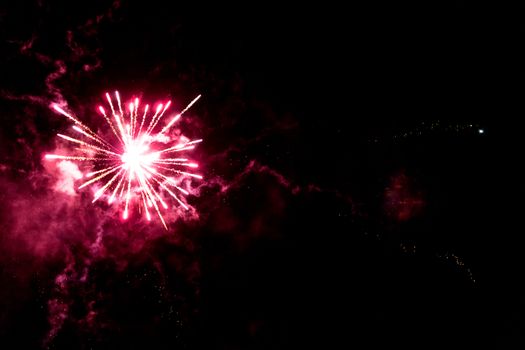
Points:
363	179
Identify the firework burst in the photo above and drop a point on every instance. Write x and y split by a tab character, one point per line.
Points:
137	166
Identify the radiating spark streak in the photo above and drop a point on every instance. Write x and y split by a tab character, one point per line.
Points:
182	190
148	216
159	117
134	117
121	129
168	180
57	156
64	113
121	191
101	176
180	172
100	171
131	112
172	194
100	192
68	138
197	176
116	116
100	141
170	124
88	151
176	149
101	109
152	199
176	171
112	197
181	147
190	165
76	121
152	189
110	103
135	166
190	104
119	105
159	107
143	119
128	197
175	159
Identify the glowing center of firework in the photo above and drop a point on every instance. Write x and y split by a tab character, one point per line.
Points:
136	157
148	176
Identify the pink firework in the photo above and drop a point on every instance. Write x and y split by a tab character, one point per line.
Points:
130	169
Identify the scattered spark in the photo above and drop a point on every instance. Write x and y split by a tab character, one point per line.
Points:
457	261
133	169
434	127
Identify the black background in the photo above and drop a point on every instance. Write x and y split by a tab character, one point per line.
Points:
323	94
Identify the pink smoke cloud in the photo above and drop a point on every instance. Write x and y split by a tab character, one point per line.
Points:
69	174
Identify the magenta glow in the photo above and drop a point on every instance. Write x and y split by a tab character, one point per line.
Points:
139	168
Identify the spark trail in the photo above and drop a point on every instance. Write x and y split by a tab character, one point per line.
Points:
136	167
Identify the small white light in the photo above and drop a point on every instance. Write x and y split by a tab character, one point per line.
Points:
481	131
